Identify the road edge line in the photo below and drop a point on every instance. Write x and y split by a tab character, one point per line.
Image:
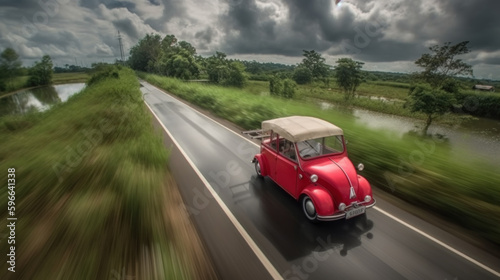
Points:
260	255
439	242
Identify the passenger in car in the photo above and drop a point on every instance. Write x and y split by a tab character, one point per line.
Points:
289	150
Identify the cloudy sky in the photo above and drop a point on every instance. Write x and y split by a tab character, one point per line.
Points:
388	35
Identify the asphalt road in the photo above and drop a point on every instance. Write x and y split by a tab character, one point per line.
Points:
254	230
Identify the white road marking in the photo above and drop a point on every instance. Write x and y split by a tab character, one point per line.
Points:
260	255
494	272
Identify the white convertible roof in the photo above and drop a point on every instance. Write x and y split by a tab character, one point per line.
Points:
300	128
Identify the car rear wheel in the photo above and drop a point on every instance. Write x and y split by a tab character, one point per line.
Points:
257	168
309	209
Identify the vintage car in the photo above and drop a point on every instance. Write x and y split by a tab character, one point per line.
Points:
307	157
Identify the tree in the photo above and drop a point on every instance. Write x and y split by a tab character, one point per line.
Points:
144	55
236	76
41	72
315	63
432	102
216	67
284	87
440	69
443	65
224	71
349	76
10	65
302	75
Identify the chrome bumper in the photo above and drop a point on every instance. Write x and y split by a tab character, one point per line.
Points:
342	215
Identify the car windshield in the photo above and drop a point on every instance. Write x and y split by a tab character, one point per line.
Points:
321	146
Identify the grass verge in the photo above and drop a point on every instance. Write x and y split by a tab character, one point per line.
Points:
93	196
422	171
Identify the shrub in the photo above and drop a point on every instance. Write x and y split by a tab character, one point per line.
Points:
302	75
282	87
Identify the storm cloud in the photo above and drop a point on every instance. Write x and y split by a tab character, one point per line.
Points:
385	34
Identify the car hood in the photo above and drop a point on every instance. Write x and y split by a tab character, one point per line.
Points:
338	175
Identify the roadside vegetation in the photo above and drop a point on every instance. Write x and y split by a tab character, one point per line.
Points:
419	169
94	198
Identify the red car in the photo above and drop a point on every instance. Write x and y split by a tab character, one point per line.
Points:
307	157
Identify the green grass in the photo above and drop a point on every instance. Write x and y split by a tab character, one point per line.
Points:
92	189
389	90
15	84
420	170
66	78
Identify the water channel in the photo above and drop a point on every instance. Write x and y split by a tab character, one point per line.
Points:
40	99
479	136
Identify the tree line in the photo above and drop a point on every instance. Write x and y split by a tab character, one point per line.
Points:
179	59
433	91
11	67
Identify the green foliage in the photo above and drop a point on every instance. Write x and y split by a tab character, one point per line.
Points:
236	76
440	69
283	87
315	63
481	104
41	72
265	68
10	66
259	77
349	76
432	102
226	72
145	53
165	56
442	65
103	72
451	86
70	68
177	59
302	75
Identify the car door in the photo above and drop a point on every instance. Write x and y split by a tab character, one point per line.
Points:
286	167
269	152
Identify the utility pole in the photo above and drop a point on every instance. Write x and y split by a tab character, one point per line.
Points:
121	46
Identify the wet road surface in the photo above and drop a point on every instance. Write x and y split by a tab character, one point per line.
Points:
386	243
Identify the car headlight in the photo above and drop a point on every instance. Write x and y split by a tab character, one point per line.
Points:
368	198
342	206
361	167
314	178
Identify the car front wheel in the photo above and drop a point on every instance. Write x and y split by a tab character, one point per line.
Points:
309	209
257	168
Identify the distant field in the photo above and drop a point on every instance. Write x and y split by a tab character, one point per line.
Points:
390	90
66	78
331	93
